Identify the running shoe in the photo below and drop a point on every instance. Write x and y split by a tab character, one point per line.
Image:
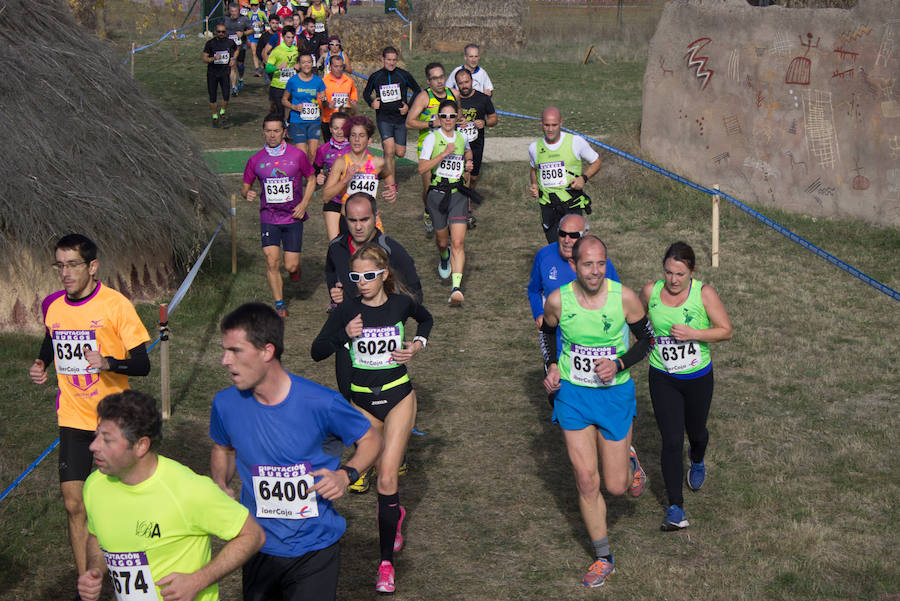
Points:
234	91
456	298
398	540
240	84
426	221
674	519
404	468
640	476
257	73
295	275
598	572
282	311
444	267
696	475
471	221
365	481
385	583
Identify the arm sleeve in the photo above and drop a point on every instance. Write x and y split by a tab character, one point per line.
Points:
644	334
370	87
549	349
535	293
46	352
331	337
413	85
137	363
423	317
331	276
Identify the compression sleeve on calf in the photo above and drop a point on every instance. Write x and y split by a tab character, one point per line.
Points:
137	364
46	352
644	334
548	344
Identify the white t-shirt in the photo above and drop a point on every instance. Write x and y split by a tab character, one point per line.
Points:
428	143
580	147
480	80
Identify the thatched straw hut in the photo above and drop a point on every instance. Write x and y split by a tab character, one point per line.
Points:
85	151
446	25
365	36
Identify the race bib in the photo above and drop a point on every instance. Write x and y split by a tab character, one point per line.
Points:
257	27
235	38
320	27
469	131
221	57
283	492
552	175
450	167
245	11
130	575
69	347
581	369
374	347
363	182
389	92
677	356
340	99
309	111
285	74
279	190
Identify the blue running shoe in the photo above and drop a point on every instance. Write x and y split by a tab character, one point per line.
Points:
674	520
696	475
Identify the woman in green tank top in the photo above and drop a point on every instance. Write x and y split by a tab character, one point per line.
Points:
686	315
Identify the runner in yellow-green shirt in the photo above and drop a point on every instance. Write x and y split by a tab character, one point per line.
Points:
150	517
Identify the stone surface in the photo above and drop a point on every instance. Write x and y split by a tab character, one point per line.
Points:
794	108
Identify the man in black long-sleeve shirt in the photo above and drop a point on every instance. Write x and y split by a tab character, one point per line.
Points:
393	87
360	218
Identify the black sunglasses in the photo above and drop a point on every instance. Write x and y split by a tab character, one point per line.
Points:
572	235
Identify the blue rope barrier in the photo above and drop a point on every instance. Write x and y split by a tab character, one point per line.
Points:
171	32
793	237
405	20
29	469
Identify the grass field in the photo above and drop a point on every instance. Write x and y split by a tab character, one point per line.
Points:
803	482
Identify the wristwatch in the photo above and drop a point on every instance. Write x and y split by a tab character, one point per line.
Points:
351	473
421	339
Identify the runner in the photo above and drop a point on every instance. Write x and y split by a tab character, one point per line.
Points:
391	86
686	315
321	13
373	324
219	55
272	41
445	155
477	113
272	428
303	95
238	27
307	40
422	116
335	48
557	180
595	403
150	517
329	152
283	198
480	79
94	336
551	269
340	94
281	67
359	170
259	21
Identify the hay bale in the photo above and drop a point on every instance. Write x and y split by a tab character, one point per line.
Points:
364	37
450	24
86	152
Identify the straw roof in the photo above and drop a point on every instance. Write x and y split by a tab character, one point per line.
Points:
448	24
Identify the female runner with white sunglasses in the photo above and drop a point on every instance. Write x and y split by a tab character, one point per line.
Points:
373	324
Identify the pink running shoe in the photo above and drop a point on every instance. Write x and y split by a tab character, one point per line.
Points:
385	582
398	540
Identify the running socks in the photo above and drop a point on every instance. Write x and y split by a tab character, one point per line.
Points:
388	516
445	254
601	548
455	280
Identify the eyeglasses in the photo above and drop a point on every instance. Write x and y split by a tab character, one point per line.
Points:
447	115
71	265
366	275
334	43
572	235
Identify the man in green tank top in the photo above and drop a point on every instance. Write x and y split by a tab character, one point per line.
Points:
595	403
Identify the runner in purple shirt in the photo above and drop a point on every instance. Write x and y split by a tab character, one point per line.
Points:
281	169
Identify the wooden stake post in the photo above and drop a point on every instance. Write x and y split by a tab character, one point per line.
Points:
132	60
233	234
175	41
166	391
715	227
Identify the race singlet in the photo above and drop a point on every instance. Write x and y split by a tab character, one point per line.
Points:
363	182
279	190
284	492
552	175
221	57
130	575
285	74
677	356
581	370
340	99
309	111
373	349
389	92
69	347
450	167
469	131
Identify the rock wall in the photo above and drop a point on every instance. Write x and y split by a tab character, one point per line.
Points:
794	108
